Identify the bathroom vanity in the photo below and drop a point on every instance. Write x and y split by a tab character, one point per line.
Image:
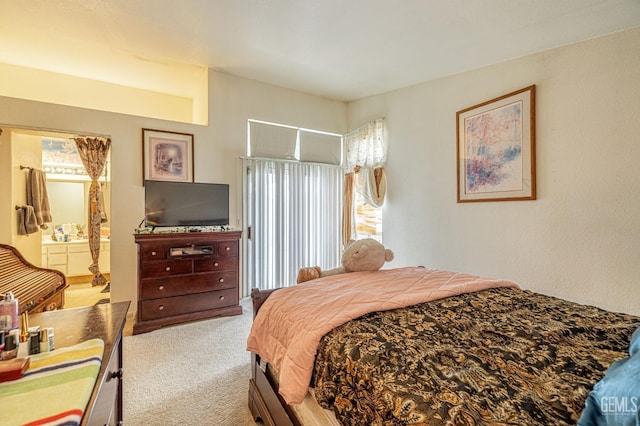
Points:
73	258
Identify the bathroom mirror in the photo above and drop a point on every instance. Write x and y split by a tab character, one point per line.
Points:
67	202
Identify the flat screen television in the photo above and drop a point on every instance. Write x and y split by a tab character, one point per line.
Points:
186	203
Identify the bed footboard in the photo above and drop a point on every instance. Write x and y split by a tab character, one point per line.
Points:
258	297
264	402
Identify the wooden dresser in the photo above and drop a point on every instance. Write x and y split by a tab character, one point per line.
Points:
186	276
106	322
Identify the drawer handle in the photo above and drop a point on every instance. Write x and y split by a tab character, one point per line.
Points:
216	264
153	253
161	287
51	306
227	248
221	280
161	308
221	297
117	374
168	268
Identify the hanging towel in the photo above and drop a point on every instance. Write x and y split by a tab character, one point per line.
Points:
27	222
38	198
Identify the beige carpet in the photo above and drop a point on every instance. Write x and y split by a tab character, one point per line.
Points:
191	374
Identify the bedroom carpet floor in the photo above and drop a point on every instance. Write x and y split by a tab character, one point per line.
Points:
190	374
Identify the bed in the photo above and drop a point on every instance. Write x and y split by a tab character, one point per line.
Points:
423	346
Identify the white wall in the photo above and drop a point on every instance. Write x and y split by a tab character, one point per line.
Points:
580	239
217	148
29	155
45	86
7	212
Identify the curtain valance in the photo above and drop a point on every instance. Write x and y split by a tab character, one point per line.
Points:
365	146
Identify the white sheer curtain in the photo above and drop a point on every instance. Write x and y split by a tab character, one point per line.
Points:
293	214
365	156
365	146
371	184
366	153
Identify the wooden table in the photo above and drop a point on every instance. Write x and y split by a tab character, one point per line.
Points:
106	322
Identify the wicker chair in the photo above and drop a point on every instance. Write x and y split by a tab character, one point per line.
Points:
37	289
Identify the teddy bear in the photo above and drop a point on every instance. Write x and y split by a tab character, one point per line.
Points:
361	255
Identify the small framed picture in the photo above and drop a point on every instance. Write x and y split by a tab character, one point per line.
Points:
167	155
496	158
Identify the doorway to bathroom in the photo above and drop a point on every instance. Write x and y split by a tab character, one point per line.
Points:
62	244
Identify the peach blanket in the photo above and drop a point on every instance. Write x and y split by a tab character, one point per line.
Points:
289	325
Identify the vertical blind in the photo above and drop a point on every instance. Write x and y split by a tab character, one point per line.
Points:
293	213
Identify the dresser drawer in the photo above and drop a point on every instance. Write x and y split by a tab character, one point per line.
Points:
79	248
103	412
57	249
169	306
228	248
152	253
166	269
57	259
154	288
215	264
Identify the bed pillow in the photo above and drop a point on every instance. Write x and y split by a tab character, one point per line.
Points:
615	400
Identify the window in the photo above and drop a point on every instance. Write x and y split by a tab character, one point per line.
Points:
291	208
368	218
365	152
279	141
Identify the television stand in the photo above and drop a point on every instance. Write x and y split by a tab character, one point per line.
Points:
186	276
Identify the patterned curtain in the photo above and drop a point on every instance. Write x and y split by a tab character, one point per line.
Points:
93	152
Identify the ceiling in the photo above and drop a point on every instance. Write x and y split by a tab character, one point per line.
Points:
339	49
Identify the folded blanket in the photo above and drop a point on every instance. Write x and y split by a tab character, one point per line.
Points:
55	389
615	400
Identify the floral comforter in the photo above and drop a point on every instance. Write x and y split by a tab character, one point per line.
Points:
501	356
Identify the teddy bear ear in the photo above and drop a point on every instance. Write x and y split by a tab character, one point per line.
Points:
348	245
388	255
